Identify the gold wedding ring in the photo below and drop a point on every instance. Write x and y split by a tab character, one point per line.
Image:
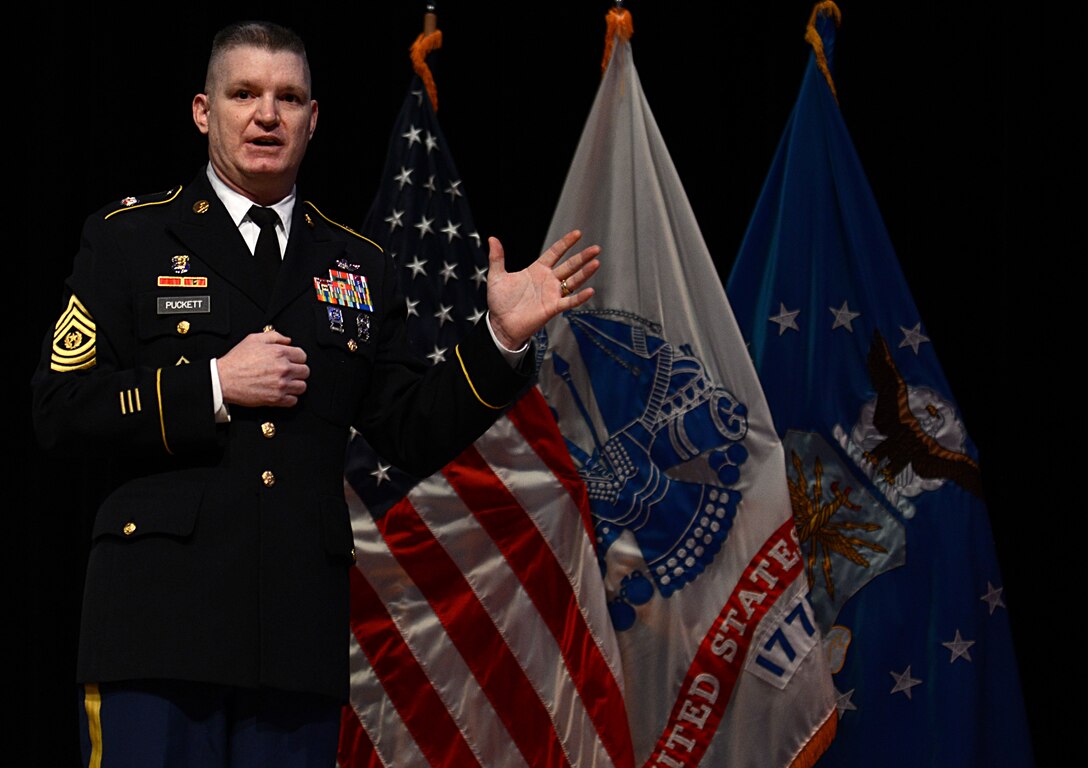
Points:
564	288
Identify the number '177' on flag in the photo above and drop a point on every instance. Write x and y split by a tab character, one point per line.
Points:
884	479
664	417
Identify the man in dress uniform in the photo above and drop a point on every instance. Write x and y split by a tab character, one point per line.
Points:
217	341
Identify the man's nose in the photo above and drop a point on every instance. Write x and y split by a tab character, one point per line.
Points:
268	113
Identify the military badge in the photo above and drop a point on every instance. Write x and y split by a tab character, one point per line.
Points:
170	281
73	339
130	401
180	263
336	319
346	265
344	289
362	326
129	201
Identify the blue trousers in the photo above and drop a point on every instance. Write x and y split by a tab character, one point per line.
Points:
175	724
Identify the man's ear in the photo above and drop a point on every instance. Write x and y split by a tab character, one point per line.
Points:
200	112
313	117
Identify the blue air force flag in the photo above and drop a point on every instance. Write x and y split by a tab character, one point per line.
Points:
668	426
883	478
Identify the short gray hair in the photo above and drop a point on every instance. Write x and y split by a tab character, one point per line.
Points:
256	34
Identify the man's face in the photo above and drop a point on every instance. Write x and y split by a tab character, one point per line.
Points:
259	118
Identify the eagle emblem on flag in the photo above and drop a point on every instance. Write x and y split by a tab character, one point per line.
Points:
672	415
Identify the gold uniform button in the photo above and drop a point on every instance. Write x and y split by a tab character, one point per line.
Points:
183	327
268	328
268	429
352	345
201	206
268	478
129	529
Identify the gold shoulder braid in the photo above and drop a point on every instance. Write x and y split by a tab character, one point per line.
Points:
159	198
349	230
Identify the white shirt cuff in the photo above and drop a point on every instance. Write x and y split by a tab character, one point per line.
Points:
222	413
512	356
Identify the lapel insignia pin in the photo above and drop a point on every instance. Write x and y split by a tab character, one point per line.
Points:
352	346
180	263
309	221
129	201
201	206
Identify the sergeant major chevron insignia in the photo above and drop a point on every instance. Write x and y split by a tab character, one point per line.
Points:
73	339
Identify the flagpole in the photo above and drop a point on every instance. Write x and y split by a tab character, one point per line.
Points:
430	18
429	40
617	24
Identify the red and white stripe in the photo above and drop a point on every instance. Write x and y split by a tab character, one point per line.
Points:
480	630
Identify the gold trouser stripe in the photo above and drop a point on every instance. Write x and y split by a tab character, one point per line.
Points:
457	351
162	419
92	702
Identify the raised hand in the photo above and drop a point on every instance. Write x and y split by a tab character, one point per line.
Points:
521	303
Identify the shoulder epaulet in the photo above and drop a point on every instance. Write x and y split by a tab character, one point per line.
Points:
347	229
157	198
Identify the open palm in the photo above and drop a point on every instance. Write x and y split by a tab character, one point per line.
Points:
521	303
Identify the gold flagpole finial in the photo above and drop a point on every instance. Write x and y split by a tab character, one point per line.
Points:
618	21
429	40
812	37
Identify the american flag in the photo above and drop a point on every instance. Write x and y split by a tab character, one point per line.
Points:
480	633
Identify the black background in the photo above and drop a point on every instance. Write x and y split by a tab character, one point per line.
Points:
954	109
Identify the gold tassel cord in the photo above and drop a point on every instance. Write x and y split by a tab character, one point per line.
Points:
618	21
818	744
812	37
423	45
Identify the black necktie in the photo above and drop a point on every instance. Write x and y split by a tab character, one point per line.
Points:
268	245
